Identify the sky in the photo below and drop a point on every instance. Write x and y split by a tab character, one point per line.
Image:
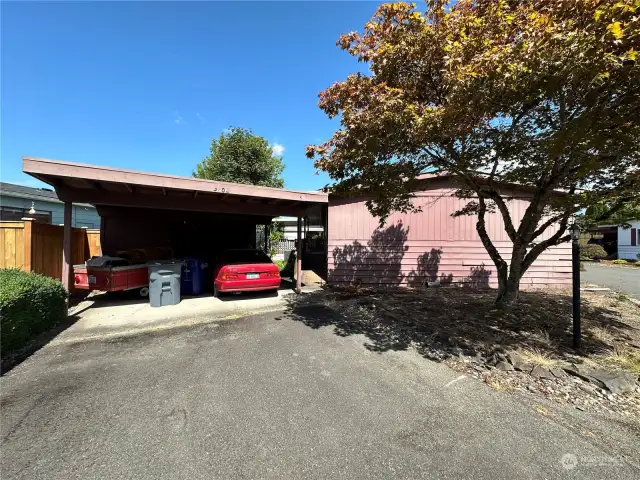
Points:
147	85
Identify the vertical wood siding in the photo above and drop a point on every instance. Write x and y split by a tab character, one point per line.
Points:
428	246
37	247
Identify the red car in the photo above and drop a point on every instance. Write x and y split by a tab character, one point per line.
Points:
245	271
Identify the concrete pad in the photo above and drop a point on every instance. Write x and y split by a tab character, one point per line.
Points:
101	316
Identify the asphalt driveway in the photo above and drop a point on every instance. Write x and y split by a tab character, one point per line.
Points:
621	279
268	397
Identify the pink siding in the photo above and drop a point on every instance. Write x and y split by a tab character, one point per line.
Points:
431	245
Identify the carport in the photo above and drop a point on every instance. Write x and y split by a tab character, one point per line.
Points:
138	207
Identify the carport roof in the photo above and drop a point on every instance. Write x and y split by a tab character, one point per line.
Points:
97	185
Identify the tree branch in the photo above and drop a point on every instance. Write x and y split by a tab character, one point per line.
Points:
500	264
546	225
506	215
555	239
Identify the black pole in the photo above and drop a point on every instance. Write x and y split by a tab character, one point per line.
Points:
575	260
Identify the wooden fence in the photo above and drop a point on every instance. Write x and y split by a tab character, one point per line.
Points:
37	247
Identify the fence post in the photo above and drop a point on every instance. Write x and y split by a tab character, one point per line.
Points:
27	232
66	247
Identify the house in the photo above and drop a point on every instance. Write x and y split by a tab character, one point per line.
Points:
629	241
290	225
42	204
200	217
417	249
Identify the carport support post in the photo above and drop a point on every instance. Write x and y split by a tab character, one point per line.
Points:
66	247
299	257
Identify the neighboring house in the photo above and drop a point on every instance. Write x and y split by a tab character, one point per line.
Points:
629	241
416	249
291	227
17	201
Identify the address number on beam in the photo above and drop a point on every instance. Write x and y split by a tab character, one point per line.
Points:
221	190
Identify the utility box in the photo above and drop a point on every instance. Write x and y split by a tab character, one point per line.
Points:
164	283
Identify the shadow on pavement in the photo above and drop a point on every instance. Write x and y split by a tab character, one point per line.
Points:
447	322
15	358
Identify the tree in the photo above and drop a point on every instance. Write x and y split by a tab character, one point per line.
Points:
276	235
240	156
543	94
602	214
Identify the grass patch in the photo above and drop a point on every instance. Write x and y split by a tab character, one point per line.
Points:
535	356
622	297
623	358
602	334
543	337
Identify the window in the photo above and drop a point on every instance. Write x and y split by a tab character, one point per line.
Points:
634	236
231	257
15	214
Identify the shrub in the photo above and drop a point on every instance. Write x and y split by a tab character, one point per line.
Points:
620	262
592	250
29	305
637	264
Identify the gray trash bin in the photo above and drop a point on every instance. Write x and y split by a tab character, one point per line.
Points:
164	283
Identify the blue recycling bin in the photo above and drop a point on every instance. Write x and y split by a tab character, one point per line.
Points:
193	276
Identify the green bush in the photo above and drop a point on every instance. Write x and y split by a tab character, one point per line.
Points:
637	264
620	262
29	305
592	250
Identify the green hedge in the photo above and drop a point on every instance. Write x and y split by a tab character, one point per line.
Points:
593	251
29	305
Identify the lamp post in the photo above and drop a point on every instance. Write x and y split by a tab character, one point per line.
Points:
575	261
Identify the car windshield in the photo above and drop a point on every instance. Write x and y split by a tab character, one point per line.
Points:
244	256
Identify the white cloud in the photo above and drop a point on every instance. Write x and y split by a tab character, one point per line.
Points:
177	118
278	149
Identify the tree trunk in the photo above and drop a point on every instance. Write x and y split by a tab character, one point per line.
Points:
509	285
508	292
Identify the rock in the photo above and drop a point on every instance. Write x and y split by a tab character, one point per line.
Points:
621	382
588	388
558	372
541	372
583	373
495	358
614	382
504	366
518	362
